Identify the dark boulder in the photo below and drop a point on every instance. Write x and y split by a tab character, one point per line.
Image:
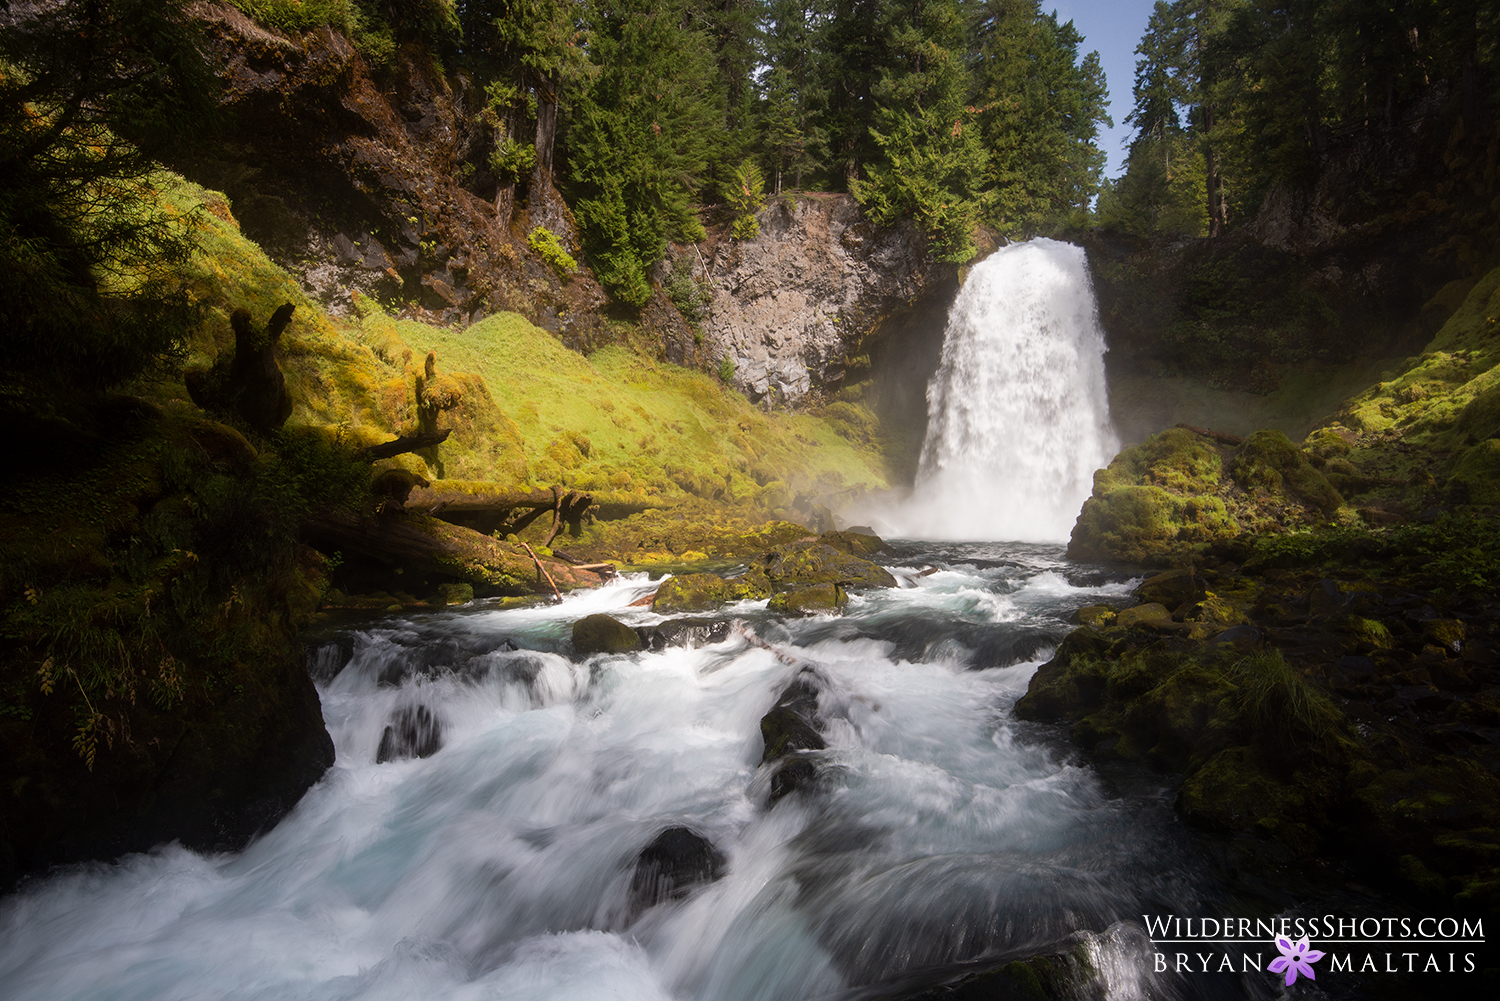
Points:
413	732
670	867
683	632
788	730
604	634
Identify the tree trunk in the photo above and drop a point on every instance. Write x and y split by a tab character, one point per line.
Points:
546	121
1216	213
505	204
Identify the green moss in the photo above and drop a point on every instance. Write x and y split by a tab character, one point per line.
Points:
813	600
1477	470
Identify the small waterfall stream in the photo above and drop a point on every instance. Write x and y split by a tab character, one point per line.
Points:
1018	418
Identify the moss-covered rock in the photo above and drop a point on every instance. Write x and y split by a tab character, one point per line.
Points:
814	600
702	592
1167	500
810	561
1149	614
1268	461
604	634
1173	588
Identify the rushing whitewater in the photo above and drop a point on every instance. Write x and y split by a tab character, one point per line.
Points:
1017	414
499	867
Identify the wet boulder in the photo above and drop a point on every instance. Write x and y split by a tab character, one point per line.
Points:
810	561
703	592
604	634
683	632
413	732
671	866
815	600
1173	589
788	729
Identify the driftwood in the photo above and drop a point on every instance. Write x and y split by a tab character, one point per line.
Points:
405	443
1222	437
543	571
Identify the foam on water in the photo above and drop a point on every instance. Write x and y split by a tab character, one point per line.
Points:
500	866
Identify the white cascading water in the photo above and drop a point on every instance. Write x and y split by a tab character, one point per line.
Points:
1017	414
500	867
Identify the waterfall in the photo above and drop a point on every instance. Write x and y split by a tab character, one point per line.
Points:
1017	416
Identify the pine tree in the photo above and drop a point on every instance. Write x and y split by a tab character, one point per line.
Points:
1040	110
932	160
639	144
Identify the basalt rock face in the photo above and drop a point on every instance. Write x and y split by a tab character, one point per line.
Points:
796	307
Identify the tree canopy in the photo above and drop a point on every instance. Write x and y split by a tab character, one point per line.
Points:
90	91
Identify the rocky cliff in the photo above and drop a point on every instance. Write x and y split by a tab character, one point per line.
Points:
796	307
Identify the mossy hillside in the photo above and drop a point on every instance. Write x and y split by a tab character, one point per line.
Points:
1426	432
526	409
617	422
333	380
1180	493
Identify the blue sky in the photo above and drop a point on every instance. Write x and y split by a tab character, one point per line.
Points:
1114	28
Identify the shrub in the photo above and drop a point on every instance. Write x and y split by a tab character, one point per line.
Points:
545	243
747	194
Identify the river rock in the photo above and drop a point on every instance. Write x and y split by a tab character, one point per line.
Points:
413	732
1150	614
1173	589
787	730
812	561
683	632
604	634
815	600
671	866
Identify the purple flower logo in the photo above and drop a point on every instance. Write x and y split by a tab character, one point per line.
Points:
1295	958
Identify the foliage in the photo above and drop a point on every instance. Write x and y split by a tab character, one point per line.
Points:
1039	110
932	157
639	144
690	295
545	242
747	195
89	93
1281	704
294	16
1456	553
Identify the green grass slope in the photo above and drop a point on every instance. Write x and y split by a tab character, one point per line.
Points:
524	409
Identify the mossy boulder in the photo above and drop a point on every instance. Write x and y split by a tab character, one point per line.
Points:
703	592
604	634
1149	614
1268	461
810	561
1476	473
1168	500
815	600
1236	791
1072	683
1173	589
455	594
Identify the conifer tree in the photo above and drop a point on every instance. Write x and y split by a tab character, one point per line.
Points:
639	143
932	161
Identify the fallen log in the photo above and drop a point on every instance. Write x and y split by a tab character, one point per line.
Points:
505	511
428	551
543	571
405	443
